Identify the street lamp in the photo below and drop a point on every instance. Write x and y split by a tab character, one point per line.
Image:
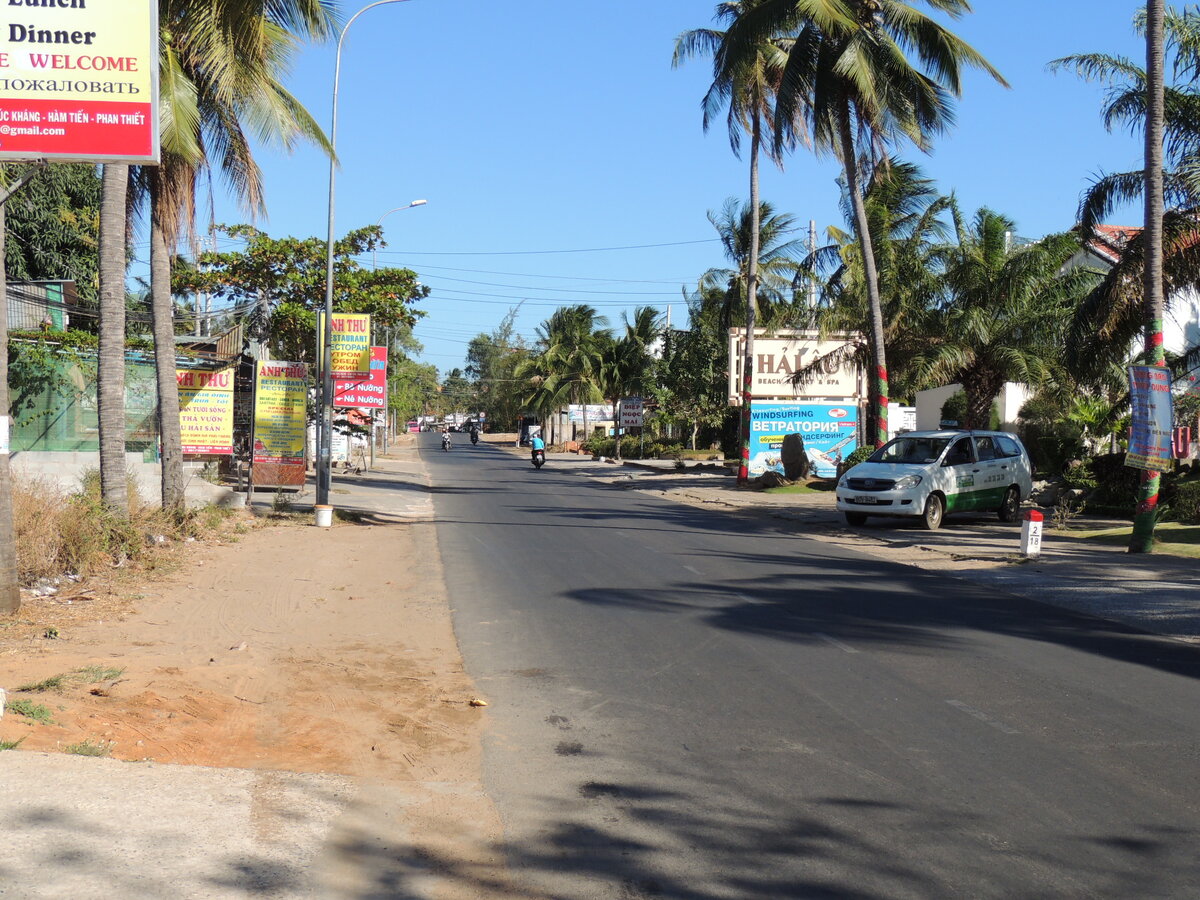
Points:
388	213
324	459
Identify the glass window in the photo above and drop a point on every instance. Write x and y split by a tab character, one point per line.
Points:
910	450
960	452
1006	447
985	448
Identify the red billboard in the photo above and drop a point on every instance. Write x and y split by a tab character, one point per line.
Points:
80	82
364	393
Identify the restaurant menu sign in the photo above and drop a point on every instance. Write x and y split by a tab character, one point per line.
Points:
280	397
364	393
206	410
79	80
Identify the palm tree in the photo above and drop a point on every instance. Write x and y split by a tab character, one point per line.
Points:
1145	100
849	80
905	214
573	341
776	264
745	83
627	368
220	76
110	370
1004	313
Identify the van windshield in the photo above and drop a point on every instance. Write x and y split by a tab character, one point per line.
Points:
910	450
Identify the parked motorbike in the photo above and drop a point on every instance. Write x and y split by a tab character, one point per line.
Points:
539	458
445	442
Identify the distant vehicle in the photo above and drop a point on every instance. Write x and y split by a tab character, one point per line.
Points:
928	474
413	426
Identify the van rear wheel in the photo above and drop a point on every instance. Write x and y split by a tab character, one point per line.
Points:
931	518
1010	509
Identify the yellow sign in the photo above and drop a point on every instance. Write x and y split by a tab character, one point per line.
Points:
79	80
280	396
351	345
206	410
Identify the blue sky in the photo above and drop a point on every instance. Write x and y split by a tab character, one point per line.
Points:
543	133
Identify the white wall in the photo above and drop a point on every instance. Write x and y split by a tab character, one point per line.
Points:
929	405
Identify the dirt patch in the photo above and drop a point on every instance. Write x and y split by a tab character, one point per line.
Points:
295	648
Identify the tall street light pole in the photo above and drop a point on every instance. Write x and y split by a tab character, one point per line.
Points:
388	213
325	330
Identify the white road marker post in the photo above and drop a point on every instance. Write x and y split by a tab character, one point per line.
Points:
1031	533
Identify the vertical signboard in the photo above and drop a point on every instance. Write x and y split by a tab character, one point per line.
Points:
350	346
206	410
829	430
280	395
632	412
364	393
1152	418
79	80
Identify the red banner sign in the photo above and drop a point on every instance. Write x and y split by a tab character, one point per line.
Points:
80	81
365	393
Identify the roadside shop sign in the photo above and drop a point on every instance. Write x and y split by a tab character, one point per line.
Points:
780	355
364	393
632	412
829	430
206	410
1152	418
280	396
79	81
596	412
351	345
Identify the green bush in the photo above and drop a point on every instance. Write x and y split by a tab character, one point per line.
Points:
860	454
1183	498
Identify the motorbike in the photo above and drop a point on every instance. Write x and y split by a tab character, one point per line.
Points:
474	437
539	458
445	442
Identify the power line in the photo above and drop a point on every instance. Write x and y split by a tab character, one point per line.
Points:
549	252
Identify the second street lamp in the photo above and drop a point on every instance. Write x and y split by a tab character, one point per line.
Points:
388	213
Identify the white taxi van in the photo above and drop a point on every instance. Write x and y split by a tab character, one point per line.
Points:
928	474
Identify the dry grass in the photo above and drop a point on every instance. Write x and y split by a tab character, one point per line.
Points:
60	533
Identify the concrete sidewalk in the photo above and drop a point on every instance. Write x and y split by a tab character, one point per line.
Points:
1156	592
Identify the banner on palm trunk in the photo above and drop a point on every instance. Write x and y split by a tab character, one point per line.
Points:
1151	420
80	82
280	397
206	410
829	431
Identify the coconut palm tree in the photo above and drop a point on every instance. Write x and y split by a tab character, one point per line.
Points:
220	78
776	265
110	369
1004	312
906	219
744	84
627	368
1143	99
849	80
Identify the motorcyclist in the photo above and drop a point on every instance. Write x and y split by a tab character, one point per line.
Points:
537	445
474	433
446	439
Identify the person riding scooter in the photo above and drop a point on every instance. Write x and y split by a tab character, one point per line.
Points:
539	450
446	439
474	433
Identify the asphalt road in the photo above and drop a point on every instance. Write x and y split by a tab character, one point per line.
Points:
697	705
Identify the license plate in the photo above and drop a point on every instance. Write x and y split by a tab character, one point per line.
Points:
865	498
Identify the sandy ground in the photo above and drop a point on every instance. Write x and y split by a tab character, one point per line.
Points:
287	649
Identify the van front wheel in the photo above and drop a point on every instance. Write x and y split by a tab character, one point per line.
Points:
931	518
